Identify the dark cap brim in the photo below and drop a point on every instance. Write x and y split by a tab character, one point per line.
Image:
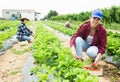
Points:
97	16
24	19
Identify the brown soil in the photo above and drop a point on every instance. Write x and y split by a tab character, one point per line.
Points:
110	72
12	63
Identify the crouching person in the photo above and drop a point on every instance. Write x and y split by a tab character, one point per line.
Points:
24	33
90	37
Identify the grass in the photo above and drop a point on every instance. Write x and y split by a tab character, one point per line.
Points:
14	72
1	46
19	52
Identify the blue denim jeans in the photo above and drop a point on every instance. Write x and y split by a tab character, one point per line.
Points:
81	45
24	38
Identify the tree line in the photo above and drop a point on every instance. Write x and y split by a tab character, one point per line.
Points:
111	15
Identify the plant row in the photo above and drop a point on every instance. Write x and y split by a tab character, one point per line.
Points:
60	27
7	34
6	24
4	35
113	45
54	62
113	39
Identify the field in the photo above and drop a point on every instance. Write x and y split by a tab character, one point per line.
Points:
52	55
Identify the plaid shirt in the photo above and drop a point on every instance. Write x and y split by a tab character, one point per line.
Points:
23	31
99	40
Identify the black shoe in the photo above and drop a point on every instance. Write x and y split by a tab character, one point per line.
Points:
29	41
93	60
81	59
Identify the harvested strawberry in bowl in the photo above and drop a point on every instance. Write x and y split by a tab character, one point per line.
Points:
92	68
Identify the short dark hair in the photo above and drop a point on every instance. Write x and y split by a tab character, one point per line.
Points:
24	19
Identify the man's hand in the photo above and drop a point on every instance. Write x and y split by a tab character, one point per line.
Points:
32	35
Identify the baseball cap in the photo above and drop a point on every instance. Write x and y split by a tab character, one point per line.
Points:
97	13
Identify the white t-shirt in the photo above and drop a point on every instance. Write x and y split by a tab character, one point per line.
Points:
89	39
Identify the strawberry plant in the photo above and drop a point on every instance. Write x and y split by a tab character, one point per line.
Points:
52	58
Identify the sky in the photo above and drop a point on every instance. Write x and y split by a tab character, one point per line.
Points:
61	6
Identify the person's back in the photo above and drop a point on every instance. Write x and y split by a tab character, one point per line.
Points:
67	24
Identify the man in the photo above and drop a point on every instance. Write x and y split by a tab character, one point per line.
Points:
24	33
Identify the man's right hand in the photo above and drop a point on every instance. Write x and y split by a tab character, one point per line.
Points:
32	35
